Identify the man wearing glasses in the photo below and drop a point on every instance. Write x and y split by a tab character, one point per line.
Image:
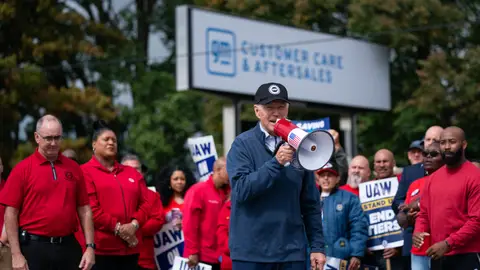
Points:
43	195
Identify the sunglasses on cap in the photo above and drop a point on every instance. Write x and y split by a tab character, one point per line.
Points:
431	153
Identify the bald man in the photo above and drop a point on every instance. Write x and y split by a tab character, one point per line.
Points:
450	208
432	134
41	220
201	208
358	172
383	164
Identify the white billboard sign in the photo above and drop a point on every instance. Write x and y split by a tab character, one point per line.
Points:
234	55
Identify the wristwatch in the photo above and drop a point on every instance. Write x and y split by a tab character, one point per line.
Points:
91	245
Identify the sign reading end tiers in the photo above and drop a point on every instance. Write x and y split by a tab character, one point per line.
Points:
234	55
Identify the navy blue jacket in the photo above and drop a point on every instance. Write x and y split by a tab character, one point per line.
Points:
345	226
409	175
272	206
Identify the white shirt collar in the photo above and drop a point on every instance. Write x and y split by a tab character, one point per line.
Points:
265	132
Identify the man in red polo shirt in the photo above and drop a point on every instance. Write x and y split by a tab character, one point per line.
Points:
450	208
43	195
202	206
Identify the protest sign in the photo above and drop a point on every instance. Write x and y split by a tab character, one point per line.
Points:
335	264
181	264
168	243
311	125
204	154
376	198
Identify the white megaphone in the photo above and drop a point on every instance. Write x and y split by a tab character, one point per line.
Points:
314	149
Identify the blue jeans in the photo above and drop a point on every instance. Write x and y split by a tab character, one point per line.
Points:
420	262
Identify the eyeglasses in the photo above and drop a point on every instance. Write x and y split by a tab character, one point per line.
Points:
431	153
50	139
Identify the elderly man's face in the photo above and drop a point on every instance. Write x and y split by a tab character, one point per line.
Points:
270	113
133	163
49	138
358	172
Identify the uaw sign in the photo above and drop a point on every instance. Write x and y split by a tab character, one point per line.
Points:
376	198
311	125
168	244
204	154
181	264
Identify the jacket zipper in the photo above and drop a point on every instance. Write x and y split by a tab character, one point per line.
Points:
123	199
53	171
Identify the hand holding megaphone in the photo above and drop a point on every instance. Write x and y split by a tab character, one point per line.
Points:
313	149
285	154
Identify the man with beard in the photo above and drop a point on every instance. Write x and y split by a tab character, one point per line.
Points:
406	217
410	174
450	208
358	172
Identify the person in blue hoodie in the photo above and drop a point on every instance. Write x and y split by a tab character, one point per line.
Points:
344	224
273	204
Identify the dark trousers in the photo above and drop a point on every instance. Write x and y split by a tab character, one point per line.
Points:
215	266
241	265
47	256
467	261
107	262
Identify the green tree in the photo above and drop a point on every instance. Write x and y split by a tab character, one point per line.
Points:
44	46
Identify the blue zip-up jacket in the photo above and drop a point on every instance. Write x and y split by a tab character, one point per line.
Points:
345	226
272	206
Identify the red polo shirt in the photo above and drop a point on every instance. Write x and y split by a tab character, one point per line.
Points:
46	194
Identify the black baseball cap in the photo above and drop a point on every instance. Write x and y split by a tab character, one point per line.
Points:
269	92
331	166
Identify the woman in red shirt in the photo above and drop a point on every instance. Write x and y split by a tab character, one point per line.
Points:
432	161
117	197
172	184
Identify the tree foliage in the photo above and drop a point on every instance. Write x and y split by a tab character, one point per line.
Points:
43	45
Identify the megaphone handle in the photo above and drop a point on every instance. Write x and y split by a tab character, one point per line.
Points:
282	142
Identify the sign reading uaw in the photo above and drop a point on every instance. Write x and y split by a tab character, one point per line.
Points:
229	54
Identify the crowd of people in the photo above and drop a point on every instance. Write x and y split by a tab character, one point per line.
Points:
255	211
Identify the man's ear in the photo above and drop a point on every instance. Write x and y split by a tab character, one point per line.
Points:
464	144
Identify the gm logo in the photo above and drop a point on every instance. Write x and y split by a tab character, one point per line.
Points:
221	54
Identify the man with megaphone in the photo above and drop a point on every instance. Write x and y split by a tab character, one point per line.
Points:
273	203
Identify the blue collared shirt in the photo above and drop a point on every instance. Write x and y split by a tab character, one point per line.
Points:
270	141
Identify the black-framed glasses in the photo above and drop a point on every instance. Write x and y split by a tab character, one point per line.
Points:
431	153
50	139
